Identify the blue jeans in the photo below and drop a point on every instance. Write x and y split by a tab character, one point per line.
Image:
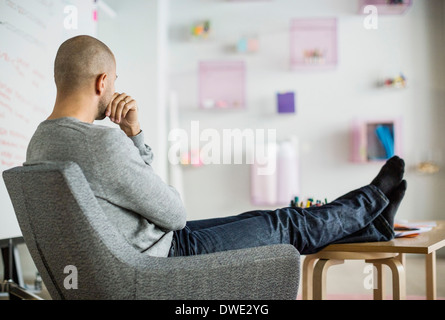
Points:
354	217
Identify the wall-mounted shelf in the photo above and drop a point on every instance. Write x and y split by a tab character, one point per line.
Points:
313	44
375	140
399	82
222	84
386	7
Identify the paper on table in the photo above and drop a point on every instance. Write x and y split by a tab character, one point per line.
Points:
412	229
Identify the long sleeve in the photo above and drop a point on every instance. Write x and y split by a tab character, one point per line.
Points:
144	150
131	183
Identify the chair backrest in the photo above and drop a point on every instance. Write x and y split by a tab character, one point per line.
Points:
79	254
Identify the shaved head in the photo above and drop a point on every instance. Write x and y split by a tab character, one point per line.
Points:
85	65
80	61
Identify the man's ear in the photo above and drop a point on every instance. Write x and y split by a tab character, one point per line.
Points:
101	83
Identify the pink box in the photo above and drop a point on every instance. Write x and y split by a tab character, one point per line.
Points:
222	84
386	7
313	44
365	143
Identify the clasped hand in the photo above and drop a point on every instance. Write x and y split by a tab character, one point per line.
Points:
123	110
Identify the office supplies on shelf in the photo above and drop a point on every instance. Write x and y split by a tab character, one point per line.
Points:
248	45
314	57
399	82
201	30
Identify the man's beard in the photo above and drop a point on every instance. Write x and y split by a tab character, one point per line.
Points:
101	108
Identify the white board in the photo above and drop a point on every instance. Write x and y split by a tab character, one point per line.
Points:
30	34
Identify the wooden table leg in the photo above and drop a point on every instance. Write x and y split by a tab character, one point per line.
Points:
431	290
379	289
398	276
319	277
308	272
402	258
398	279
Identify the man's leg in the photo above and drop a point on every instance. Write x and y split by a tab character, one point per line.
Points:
309	230
362	215
385	220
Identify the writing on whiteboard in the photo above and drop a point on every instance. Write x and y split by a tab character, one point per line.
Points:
26	13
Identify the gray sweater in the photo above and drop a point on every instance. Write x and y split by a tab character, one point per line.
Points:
140	205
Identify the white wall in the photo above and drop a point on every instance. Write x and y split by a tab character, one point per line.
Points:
327	101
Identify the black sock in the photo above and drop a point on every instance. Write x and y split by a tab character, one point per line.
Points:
395	199
390	175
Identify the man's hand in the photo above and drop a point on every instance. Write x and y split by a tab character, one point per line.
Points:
123	110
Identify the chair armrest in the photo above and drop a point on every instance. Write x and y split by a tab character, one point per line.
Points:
263	273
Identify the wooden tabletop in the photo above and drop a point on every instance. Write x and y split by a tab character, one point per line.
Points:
424	243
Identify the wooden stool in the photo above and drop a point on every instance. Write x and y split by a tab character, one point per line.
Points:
315	268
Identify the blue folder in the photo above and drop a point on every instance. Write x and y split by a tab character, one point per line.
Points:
386	137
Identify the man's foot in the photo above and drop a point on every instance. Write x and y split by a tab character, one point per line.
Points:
390	175
395	199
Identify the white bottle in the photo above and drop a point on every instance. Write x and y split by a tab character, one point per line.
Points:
287	173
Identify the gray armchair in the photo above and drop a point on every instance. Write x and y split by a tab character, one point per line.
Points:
63	226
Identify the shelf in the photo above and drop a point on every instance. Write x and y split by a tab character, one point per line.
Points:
313	44
375	140
222	84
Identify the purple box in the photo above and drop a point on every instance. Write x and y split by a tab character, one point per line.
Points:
286	102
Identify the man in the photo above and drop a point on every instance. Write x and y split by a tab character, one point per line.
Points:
149	213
